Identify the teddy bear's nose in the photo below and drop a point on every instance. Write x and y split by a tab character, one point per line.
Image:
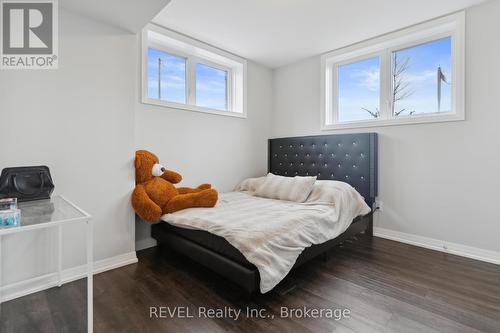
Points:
162	169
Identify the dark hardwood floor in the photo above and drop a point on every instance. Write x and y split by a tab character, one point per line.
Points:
387	286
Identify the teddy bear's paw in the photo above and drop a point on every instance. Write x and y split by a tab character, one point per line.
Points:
205	186
207	198
151	215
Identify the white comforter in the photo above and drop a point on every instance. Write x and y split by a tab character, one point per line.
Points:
271	234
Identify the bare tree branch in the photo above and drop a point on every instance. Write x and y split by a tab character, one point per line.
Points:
401	89
397	113
374	114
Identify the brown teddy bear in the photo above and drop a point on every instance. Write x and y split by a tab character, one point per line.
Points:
155	194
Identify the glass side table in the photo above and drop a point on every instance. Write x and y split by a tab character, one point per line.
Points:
54	213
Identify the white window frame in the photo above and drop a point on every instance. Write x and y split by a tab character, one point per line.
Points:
196	52
229	76
449	26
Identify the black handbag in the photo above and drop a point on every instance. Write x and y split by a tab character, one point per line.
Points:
26	183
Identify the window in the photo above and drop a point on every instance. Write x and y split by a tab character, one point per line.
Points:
421	78
166	76
211	87
415	75
182	73
359	89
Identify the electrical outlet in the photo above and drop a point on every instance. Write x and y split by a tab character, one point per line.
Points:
379	205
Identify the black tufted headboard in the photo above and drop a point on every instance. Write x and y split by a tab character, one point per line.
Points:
351	158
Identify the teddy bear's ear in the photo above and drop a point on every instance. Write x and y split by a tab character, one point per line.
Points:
144	154
138	164
144	161
137	161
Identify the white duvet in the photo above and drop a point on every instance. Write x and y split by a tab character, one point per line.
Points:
270	233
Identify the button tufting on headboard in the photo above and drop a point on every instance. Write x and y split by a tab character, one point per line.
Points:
351	158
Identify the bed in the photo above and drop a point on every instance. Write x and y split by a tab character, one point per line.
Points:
350	158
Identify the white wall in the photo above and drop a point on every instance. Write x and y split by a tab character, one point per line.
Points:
79	120
207	148
84	121
436	180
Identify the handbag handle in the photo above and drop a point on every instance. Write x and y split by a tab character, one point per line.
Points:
42	184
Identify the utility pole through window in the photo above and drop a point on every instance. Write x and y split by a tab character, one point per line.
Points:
159	78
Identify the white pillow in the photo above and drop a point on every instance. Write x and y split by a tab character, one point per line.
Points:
286	188
332	192
327	191
347	201
250	184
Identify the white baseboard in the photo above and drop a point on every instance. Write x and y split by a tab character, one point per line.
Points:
43	282
145	243
439	245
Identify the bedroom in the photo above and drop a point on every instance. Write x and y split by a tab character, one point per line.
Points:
430	178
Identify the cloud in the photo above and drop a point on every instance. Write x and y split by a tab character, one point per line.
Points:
420	76
211	86
213	103
169	82
167	64
368	78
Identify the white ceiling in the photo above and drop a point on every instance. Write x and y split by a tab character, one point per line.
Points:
279	32
129	15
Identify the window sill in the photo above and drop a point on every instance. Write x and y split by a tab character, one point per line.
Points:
394	122
187	107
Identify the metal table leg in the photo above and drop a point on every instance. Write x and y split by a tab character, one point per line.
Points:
59	255
1	286
90	277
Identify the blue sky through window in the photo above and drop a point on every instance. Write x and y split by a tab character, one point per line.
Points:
359	88
359	82
422	77
172	76
211	87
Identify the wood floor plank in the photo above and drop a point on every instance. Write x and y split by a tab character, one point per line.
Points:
386	286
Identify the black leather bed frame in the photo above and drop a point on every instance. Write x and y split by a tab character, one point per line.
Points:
351	158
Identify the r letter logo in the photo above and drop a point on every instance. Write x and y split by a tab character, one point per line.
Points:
29	34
